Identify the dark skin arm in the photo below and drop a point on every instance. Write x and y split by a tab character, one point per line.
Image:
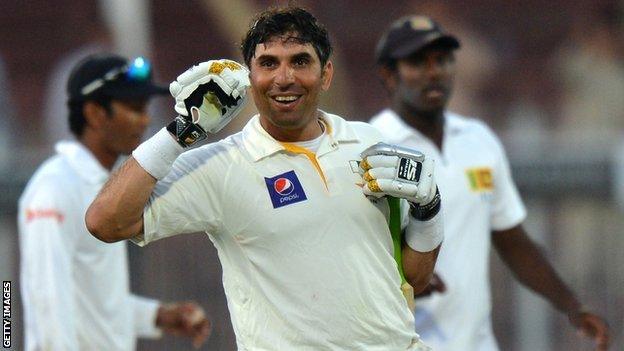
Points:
533	270
436	285
418	267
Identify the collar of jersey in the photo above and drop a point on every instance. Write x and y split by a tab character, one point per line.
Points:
82	161
259	144
395	125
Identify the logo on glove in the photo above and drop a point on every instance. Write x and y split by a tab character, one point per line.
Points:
409	170
218	67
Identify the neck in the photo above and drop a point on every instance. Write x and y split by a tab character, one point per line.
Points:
429	123
310	131
105	157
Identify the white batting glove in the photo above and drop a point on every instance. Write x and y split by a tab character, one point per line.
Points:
208	96
401	172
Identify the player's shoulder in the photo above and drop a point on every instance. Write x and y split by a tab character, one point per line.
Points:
360	130
212	154
51	181
55	171
366	130
394	129
471	126
384	117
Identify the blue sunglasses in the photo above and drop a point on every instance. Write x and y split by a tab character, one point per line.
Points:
138	70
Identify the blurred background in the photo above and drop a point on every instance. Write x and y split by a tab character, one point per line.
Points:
548	76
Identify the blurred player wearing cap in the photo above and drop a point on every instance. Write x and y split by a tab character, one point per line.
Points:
75	289
482	206
307	257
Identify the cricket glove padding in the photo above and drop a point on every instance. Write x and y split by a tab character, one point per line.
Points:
207	97
401	172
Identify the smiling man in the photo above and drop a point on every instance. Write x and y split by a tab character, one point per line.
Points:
287	99
295	203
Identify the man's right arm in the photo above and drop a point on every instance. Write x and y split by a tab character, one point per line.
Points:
117	212
207	97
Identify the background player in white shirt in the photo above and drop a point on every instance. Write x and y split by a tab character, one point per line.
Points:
481	204
75	289
307	257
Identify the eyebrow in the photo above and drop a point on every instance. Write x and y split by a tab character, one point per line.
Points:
298	56
303	55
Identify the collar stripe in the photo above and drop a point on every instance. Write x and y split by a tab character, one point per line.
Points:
295	149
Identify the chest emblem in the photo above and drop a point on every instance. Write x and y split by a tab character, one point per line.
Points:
285	189
480	179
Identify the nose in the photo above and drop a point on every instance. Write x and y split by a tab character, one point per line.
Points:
434	68
143	120
284	76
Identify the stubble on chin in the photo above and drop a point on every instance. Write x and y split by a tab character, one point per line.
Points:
418	103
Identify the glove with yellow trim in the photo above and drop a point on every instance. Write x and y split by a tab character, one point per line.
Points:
208	96
404	173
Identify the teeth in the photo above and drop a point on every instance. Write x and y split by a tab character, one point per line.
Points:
286	98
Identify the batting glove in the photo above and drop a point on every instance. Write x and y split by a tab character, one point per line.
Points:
207	97
401	172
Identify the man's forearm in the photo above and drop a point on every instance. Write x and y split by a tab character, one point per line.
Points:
418	267
117	212
532	269
421	246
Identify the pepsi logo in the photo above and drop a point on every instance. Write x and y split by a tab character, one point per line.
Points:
285	189
283	186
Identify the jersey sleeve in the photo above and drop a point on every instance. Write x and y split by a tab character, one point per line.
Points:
507	208
46	246
187	200
145	313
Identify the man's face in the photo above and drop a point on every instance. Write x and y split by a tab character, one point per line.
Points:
424	80
124	127
286	80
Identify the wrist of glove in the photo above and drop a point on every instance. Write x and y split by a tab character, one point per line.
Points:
207	97
427	211
404	173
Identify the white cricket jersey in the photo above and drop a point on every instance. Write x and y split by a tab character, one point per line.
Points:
307	258
478	196
74	288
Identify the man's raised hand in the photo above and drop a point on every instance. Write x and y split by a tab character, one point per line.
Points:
207	97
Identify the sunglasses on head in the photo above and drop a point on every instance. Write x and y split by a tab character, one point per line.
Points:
137	70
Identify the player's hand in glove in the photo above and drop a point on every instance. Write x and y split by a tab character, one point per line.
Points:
207	97
401	172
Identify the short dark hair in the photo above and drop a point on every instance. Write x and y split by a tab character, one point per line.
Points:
77	120
281	20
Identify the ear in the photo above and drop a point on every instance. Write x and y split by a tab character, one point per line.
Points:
94	114
388	78
326	75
